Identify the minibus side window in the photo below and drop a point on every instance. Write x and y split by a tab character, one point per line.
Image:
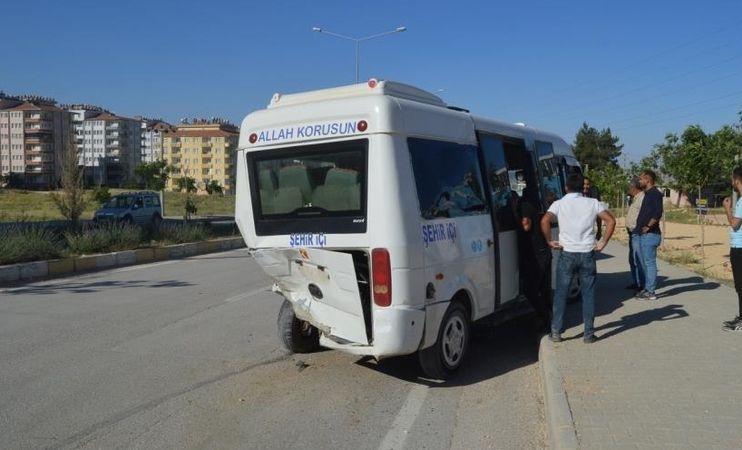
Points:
550	182
503	199
447	177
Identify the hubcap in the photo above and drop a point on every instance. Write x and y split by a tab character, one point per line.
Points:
454	336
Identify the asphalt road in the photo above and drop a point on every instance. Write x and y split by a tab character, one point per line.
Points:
184	354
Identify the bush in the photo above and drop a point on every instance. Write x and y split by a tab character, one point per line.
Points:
101	194
179	233
28	243
106	237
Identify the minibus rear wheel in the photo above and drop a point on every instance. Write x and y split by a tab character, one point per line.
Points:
443	358
296	335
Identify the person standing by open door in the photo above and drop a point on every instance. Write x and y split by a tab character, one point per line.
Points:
576	215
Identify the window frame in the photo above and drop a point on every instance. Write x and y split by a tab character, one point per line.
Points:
337	222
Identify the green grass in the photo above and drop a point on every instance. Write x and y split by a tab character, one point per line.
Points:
109	237
681	257
19	205
22	244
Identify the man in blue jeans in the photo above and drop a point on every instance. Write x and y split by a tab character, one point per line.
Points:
576	215
648	229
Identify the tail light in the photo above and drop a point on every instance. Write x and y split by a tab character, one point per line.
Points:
381	276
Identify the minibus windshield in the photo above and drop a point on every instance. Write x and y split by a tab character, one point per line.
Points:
316	181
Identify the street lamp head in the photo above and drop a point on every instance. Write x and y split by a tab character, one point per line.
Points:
401	29
317	29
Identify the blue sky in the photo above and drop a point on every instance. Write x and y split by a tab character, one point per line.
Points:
643	68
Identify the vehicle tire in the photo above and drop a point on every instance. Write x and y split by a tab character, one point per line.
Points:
442	359
296	335
574	294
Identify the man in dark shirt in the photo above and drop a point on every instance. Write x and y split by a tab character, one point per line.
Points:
535	261
648	229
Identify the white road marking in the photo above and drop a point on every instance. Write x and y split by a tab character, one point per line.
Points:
246	295
398	432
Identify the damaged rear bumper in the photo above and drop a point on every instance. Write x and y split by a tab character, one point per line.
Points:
396	331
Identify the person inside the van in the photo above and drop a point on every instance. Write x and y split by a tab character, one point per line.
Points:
457	201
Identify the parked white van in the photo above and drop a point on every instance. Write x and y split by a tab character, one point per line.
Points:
386	217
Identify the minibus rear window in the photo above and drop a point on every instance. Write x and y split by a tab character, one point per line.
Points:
317	188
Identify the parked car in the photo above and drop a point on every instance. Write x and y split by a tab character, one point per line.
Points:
141	208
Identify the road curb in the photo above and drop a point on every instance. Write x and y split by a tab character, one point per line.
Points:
560	425
88	263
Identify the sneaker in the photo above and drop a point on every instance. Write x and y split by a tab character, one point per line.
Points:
646	296
640	293
735	327
590	338
555	337
732	322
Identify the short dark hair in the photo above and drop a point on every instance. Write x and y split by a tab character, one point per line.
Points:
635	183
586	178
737	174
650	174
575	182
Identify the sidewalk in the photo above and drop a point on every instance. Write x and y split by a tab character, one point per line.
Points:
664	375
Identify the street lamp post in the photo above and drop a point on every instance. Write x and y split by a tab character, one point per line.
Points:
358	41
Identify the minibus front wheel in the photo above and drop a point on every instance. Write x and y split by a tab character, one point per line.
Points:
297	336
443	358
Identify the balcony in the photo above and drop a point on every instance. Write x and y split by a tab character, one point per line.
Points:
30	129
38	140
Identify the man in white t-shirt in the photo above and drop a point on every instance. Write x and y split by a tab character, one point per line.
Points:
576	215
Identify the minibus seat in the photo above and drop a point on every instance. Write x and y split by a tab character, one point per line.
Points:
286	200
295	176
341	177
341	191
267	201
267	181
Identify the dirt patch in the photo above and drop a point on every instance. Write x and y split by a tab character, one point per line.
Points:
705	251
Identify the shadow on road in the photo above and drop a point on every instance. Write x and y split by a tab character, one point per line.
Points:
87	288
668	312
612	293
493	351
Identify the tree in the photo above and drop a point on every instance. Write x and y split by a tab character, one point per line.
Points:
71	202
187	184
595	149
213	187
153	175
101	194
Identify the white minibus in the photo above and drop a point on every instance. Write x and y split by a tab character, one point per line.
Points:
386	218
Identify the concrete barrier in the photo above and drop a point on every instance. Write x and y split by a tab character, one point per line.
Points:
105	260
36	269
126	258
61	266
190	249
10	273
144	255
65	266
84	263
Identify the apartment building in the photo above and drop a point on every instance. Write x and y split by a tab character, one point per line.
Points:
204	150
34	132
93	165
110	148
153	131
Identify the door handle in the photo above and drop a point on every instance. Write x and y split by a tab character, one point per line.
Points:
490	242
